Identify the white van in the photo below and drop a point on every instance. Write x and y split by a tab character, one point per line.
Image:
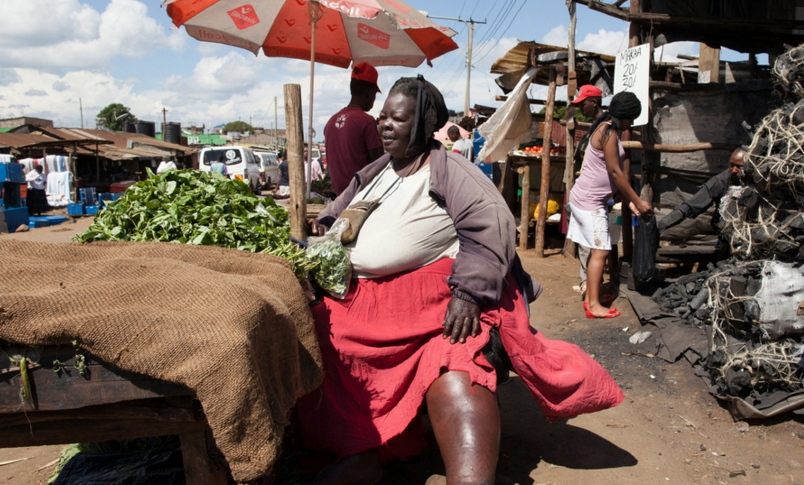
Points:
241	163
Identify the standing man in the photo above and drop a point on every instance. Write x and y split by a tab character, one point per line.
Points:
459	144
220	166
351	134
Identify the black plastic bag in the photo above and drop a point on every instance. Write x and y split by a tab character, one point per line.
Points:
646	241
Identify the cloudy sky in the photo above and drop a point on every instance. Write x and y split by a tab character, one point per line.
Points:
54	53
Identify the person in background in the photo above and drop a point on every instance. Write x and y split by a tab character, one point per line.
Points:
709	194
37	199
590	101
351	135
282	189
220	166
166	164
318	172
460	144
602	175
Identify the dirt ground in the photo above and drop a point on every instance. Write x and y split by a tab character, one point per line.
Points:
668	429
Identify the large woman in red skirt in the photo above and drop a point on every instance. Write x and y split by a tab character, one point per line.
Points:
436	271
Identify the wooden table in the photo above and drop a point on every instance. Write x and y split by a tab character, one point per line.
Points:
523	165
107	404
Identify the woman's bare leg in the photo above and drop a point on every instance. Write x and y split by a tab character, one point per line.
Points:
595	275
466	423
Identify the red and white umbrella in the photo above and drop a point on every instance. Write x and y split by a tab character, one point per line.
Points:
380	32
334	32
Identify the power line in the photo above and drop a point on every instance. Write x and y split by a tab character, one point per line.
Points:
506	29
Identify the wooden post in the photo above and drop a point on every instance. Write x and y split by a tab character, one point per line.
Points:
544	192
709	64
525	204
626	228
198	469
295	157
572	85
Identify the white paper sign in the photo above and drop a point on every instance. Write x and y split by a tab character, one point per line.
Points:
632	73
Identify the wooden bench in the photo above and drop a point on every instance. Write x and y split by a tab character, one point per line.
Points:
107	404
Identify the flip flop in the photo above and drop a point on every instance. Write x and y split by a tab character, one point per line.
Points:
610	314
611	310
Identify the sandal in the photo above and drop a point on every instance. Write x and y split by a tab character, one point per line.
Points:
611	310
611	314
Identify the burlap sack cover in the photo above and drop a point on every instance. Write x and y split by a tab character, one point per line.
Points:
231	325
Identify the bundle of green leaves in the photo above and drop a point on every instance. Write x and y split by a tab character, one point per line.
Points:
200	208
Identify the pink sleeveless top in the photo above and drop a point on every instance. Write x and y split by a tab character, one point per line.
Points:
594	186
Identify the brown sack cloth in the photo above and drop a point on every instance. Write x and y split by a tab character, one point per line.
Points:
233	326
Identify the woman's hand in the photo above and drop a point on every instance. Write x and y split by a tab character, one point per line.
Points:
462	320
641	207
316	229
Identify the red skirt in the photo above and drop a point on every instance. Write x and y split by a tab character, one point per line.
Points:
382	349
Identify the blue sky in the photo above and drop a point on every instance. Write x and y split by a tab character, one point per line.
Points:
55	52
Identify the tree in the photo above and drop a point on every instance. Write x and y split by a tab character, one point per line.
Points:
114	117
238	127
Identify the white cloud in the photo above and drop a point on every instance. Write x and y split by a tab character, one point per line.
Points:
604	42
8	76
74	35
559	36
668	52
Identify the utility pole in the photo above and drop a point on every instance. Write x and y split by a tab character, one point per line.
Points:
276	124
470	24
164	123
81	108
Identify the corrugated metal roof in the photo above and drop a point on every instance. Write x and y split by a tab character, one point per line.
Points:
516	59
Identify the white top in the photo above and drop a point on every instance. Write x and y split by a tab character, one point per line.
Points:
464	146
406	231
35	180
165	166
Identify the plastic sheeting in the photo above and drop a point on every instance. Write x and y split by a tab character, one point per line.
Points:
510	125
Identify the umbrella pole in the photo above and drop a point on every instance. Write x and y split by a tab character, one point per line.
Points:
313	6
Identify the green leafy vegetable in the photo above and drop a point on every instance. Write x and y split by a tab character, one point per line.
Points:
334	270
193	207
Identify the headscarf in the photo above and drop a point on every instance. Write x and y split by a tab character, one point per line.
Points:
623	106
431	112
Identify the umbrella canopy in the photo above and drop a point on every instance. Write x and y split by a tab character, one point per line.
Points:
380	32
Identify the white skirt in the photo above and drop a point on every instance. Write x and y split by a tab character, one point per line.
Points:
590	228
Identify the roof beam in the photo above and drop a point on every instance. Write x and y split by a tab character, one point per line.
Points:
619	2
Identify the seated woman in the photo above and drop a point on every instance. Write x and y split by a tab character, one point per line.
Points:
432	269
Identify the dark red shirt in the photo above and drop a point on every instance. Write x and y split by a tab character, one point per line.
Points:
349	134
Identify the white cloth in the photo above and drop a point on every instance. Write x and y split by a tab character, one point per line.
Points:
165	166
35	180
59	187
56	163
589	228
283	190
510	125
465	147
406	231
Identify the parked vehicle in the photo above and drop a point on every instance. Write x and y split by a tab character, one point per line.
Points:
269	168
241	163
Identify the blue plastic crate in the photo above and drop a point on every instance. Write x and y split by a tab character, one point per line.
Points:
75	209
11	195
117	195
15	217
88	196
487	169
35	222
91	209
11	172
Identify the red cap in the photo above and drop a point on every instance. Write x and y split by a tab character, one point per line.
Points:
587	91
365	72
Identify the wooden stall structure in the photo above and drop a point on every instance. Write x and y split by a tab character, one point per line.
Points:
109	404
698	104
554	68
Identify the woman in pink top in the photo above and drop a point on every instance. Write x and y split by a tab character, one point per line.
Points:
602	175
